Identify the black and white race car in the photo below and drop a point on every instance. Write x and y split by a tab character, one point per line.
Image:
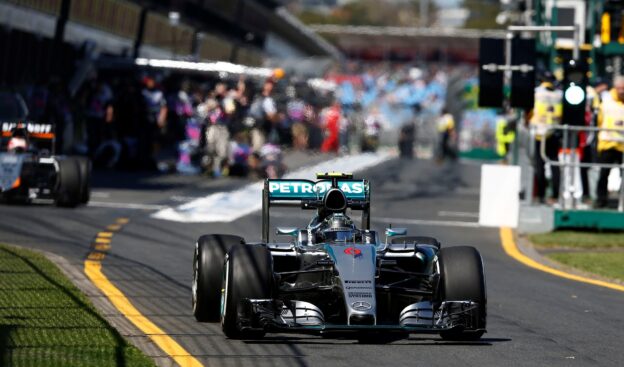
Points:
29	169
333	277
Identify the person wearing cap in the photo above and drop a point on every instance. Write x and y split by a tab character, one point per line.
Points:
610	143
155	109
547	111
221	109
263	110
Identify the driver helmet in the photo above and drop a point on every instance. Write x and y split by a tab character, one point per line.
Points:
18	141
338	228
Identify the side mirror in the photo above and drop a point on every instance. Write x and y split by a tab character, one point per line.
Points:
392	232
287	231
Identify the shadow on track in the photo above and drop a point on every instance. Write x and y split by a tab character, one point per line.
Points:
296	340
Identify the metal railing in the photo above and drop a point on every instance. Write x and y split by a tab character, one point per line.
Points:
569	147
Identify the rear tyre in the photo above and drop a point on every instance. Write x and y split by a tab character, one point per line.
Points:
248	274
84	165
208	267
462	279
421	240
68	184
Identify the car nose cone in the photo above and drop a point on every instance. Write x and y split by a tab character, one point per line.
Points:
361	306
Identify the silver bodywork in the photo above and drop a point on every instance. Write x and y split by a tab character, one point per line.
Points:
330	280
356	267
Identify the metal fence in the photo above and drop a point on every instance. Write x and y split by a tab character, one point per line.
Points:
570	162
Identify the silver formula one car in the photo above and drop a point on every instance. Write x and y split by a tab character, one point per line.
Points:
333	277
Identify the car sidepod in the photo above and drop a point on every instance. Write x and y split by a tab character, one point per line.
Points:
10	171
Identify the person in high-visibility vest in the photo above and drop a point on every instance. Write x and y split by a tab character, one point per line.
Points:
505	135
610	143
448	135
547	111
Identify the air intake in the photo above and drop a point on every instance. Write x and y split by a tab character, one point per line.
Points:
335	200
362	320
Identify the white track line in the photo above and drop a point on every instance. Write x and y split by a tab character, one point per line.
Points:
102	204
427	222
458	214
229	206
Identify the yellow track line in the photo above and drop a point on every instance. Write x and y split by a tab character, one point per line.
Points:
509	245
93	270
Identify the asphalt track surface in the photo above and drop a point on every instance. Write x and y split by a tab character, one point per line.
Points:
533	318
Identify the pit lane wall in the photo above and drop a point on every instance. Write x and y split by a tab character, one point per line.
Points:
500	206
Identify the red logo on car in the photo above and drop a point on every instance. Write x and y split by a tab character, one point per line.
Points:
353	251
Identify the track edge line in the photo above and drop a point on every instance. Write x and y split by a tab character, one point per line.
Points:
510	247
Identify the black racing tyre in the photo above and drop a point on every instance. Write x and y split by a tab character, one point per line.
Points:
462	279
84	165
68	183
248	274
208	261
421	240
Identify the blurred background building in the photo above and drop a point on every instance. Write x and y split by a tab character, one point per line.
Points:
43	37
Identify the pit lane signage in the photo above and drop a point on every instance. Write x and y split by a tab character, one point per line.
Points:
303	189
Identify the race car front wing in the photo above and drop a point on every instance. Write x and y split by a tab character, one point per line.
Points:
303	317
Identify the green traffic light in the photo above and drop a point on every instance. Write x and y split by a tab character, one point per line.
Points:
574	95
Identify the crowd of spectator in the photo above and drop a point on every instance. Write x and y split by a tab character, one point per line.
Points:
220	127
237	126
408	98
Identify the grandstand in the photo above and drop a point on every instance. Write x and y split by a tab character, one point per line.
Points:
44	36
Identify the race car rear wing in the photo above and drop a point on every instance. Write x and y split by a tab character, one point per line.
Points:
35	131
42	135
309	194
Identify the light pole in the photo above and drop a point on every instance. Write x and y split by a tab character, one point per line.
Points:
174	20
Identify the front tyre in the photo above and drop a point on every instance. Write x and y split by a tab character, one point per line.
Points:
68	185
462	279
208	267
84	166
248	274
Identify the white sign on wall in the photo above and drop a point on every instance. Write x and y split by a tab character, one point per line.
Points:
499	202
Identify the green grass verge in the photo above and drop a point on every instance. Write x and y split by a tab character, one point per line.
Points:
577	239
610	264
46	321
